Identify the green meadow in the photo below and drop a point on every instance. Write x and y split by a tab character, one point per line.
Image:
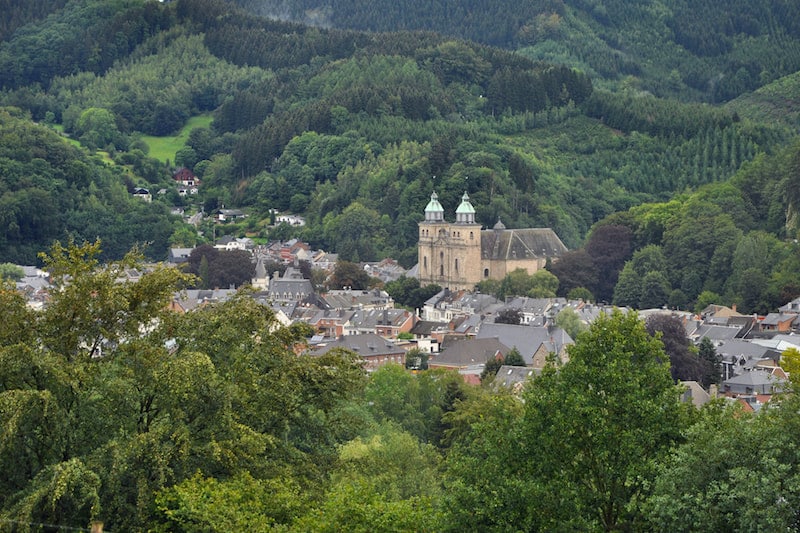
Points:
164	148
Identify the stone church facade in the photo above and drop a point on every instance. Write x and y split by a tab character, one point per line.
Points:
457	255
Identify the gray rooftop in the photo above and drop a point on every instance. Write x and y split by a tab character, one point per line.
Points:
530	243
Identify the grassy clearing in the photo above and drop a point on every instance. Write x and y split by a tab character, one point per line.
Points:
164	148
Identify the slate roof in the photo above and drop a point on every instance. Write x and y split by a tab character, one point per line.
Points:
291	286
716	333
529	243
754	382
466	352
190	299
526	339
426	327
775	319
366	345
514	376
351	299
738	348
370	318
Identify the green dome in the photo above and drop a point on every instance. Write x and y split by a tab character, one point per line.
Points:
434	212
465	207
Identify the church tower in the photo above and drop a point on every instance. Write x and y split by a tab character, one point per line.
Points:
449	253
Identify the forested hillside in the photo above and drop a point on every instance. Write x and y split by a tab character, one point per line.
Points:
51	190
707	50
603	120
354	130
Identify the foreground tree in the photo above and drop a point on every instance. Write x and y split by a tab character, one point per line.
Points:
592	429
736	472
107	399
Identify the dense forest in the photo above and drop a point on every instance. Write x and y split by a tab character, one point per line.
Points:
354	130
658	139
706	50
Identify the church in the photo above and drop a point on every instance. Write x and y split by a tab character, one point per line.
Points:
457	255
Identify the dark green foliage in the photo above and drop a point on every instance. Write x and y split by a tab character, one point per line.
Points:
712	363
684	363
588	471
490	369
729	459
51	190
83	36
349	275
406	291
509	315
514	358
221	269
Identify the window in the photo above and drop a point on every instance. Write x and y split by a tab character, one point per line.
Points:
456	265
441	270
485	272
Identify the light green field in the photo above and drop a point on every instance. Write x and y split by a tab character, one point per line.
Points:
164	148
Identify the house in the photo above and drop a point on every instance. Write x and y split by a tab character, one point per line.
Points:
374	350
331	324
387	323
466	353
190	299
357	299
142	194
291	286
386	270
186	178
514	377
535	344
695	393
446	305
229	215
791	307
292	220
229	243
738	356
179	255
429	333
753	382
781	322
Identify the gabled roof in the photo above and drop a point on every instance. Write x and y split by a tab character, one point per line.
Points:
738	348
366	345
466	352
717	333
526	339
775	319
350	299
530	243
426	327
515	376
754	378
695	393
371	318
